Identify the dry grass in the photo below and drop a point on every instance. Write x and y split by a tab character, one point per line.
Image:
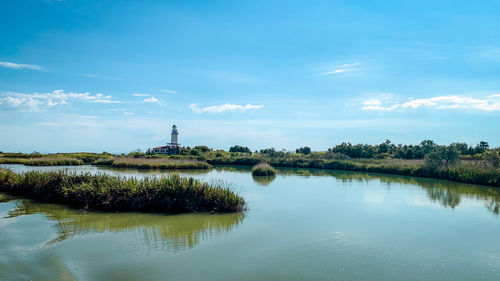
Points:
159	163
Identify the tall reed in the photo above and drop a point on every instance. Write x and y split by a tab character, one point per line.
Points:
171	194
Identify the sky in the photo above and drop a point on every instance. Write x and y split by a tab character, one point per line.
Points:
116	75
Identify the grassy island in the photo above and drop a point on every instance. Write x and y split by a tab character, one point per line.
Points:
172	194
263	169
154	163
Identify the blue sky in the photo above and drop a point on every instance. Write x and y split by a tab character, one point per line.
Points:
116	75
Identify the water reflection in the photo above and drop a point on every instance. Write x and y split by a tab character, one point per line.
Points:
228	168
4	197
263	180
446	193
172	232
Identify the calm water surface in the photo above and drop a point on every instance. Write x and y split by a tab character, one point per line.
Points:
301	225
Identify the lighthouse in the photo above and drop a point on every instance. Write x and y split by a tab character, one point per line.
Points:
174	140
173	147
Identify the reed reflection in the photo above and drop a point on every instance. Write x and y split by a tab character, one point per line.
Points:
172	232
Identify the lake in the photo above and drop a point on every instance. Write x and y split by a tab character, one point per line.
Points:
304	224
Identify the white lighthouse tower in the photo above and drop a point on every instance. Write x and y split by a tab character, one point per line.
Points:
173	147
174	140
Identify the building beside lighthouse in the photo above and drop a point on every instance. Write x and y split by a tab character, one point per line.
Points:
173	147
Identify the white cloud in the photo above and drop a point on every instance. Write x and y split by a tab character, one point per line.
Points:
37	101
169	91
490	103
340	70
140	95
106	101
225	107
151	100
376	104
347	67
12	65
29	104
128	113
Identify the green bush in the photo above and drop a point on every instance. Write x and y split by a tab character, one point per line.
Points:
263	169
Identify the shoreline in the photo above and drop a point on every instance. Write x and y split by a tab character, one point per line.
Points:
491	179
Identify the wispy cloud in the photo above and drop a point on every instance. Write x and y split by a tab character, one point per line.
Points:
151	100
99	76
13	65
376	104
140	95
225	107
169	91
347	67
489	103
106	101
38	101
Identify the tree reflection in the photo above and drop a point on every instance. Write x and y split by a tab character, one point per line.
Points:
446	193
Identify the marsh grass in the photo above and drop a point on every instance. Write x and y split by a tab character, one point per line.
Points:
263	169
58	161
42	161
167	194
159	163
5	160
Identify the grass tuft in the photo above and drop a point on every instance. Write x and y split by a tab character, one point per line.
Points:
263	169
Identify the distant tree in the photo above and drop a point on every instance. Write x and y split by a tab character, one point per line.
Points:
462	148
385	147
195	152
268	151
238	148
427	146
441	156
304	150
203	148
481	147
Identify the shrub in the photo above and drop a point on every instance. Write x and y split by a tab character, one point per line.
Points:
492	158
263	169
